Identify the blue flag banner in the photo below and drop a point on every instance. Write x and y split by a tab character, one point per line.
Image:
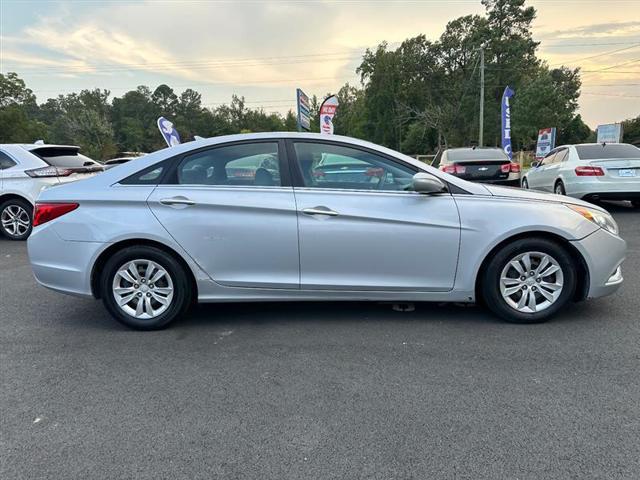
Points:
506	121
168	131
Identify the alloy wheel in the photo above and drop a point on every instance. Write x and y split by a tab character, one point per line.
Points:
15	220
531	282
142	289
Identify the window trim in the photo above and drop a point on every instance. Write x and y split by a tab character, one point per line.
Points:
298	180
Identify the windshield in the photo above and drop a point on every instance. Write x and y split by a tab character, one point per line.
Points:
611	150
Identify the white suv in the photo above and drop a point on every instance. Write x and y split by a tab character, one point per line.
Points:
25	169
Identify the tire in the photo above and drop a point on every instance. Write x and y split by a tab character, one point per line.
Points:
559	189
525	184
13	215
492	285
174	288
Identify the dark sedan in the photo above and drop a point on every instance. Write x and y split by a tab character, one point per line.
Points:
486	165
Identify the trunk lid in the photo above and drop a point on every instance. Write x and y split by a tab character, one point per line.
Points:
482	170
624	170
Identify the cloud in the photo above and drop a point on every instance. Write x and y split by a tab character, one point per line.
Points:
595	31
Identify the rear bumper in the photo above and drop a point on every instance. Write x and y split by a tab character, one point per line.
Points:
603	254
594	189
68	271
513	180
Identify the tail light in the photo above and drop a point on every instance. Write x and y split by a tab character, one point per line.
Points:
589	172
454	169
505	167
49	171
515	167
45	212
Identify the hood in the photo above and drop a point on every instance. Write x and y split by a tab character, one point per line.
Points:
519	193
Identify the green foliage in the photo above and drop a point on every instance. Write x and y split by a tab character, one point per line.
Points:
631	131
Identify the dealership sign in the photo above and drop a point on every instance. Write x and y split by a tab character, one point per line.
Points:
304	117
506	122
327	112
610	133
169	132
546	141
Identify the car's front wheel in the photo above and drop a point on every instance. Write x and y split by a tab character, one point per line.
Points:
145	288
529	280
16	219
525	184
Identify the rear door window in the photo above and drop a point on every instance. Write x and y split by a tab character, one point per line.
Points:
248	164
610	150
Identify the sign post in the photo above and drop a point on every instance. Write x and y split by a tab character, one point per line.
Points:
506	121
609	133
304	118
546	142
169	132
327	112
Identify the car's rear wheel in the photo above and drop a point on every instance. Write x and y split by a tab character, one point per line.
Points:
525	184
559	188
16	219
145	288
529	280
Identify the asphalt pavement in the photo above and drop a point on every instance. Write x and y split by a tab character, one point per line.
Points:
318	390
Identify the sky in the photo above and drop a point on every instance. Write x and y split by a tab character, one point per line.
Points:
263	50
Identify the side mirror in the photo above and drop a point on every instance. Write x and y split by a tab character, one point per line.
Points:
535	164
425	183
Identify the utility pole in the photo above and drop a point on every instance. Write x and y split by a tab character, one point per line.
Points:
481	130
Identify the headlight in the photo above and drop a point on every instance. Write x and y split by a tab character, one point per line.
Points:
598	217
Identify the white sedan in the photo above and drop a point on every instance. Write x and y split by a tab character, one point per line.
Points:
25	170
590	171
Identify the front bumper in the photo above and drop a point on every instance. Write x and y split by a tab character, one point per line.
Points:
603	254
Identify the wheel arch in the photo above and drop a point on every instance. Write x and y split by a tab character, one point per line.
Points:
582	277
8	196
137	242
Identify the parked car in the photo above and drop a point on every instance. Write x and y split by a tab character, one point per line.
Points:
591	171
116	161
486	165
151	236
25	170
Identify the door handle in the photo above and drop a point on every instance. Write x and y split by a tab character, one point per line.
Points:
177	201
319	211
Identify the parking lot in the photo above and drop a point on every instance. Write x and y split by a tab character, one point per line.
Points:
318	391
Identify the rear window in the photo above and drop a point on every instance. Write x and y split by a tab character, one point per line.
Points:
65	158
477	154
611	150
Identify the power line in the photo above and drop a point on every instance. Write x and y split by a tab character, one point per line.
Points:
596	56
612	66
610	94
570	45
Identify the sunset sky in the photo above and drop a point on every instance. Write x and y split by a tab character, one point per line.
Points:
264	49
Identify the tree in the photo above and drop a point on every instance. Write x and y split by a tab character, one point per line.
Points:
18	108
631	131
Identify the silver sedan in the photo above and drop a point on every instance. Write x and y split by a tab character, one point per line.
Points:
287	216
